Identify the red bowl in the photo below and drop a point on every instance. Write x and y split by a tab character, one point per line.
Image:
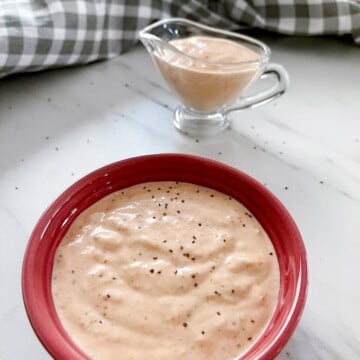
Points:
54	223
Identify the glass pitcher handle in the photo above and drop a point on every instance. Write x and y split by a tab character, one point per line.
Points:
278	89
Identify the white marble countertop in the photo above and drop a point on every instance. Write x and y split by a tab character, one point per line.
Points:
57	126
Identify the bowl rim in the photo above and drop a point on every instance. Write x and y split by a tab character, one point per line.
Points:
35	283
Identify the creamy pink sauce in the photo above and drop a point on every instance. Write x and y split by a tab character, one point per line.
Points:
165	270
212	73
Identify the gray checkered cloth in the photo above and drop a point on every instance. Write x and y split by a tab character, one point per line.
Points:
42	34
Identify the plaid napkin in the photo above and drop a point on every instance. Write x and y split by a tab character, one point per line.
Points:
42	34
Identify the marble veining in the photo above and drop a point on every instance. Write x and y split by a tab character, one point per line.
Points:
57	126
338	170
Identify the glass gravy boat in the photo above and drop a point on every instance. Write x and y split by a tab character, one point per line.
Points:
210	89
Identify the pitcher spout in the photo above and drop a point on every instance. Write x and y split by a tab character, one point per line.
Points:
148	40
